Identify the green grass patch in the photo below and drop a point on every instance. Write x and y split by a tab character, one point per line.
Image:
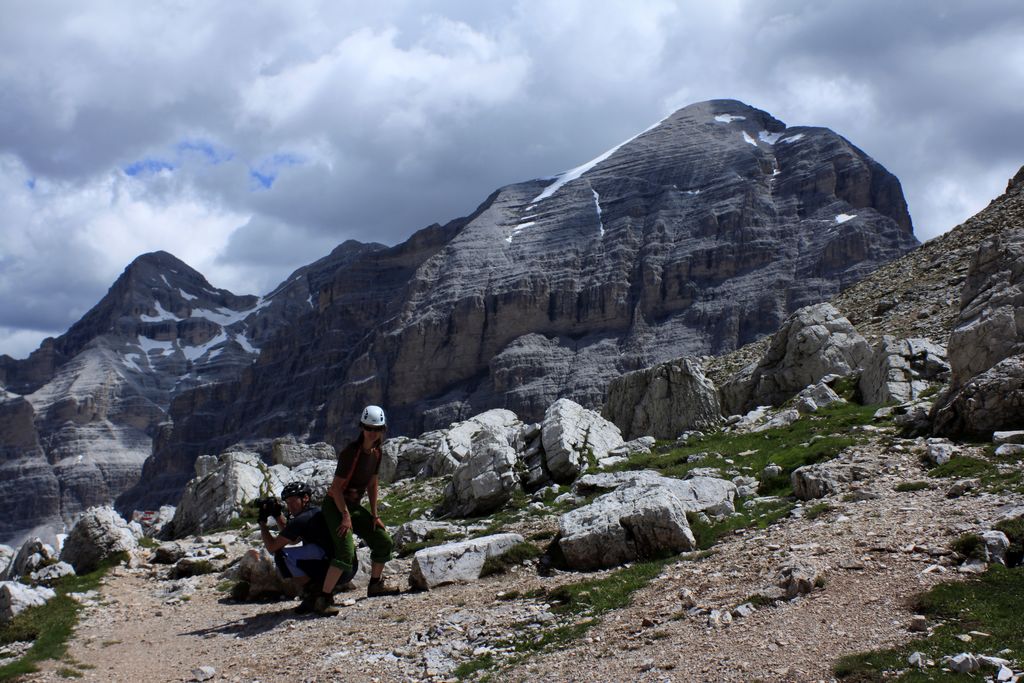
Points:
760	516
815	511
467	669
149	542
579	605
963	468
971	546
813	438
907	486
991	603
516	555
433	538
49	626
407	500
198	568
597	596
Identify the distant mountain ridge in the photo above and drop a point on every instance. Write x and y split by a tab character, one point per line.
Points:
695	237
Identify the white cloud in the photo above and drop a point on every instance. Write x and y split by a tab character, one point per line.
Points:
369	121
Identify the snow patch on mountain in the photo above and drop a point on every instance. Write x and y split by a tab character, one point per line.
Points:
161	315
574	173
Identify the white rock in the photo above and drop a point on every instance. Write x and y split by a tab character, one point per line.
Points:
572	435
1015	436
288	452
816	396
458	562
6	557
996	546
52	572
16	597
216	497
1010	450
487	478
635	521
100	533
964	663
901	370
813	342
940	451
203	673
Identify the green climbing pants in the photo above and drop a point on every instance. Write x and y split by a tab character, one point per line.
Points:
379	540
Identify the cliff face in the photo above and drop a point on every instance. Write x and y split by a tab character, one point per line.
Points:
695	237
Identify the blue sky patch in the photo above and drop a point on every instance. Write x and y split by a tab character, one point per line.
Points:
148	167
265	173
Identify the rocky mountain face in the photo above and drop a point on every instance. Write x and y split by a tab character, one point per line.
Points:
695	237
79	415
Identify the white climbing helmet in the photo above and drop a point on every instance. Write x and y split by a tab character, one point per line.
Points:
373	416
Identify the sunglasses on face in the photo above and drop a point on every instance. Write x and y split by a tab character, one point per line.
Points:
368	428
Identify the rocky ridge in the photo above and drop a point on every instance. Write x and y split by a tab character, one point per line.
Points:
79	417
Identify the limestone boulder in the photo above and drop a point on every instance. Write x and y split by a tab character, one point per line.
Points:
632	522
986	349
696	494
439	452
988	402
486	479
778	420
51	573
997	544
15	598
317	473
900	370
813	342
459	562
290	453
825	478
796	580
663	401
939	451
815	397
168	553
220	490
257	576
32	555
98	535
574	438
640	445
6	557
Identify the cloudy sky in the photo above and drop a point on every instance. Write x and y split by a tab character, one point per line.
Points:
250	138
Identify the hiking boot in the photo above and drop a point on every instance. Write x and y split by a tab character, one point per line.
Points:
378	588
307	603
324	604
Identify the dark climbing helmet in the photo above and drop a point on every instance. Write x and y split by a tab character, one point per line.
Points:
296	488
